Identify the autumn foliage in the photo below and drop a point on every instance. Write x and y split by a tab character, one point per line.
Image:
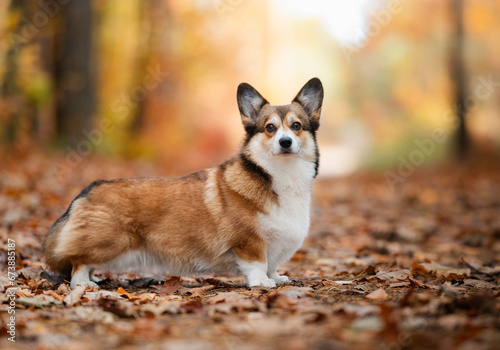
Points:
415	268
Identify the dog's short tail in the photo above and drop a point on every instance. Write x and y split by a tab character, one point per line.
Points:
56	262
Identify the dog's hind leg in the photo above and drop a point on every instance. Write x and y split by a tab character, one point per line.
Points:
80	276
92	277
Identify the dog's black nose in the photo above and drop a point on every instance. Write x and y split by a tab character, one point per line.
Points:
285	142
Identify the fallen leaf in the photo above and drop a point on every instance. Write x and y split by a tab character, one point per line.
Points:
56	296
90	314
480	284
299	255
63	289
30	273
196	292
398	275
124	293
40	301
365	287
162	308
369	270
142	298
146	297
4	282
335	283
24	293
192	307
170	286
379	294
399	284
75	296
436	269
416	283
228	302
103	294
119	308
38	284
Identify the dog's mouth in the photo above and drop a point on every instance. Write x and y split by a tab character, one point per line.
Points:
286	152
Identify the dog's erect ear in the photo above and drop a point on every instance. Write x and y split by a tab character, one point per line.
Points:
250	102
310	97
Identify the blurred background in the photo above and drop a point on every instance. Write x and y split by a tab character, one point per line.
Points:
406	82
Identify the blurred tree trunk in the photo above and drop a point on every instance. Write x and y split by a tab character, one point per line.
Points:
156	14
9	84
147	9
17	121
459	79
74	72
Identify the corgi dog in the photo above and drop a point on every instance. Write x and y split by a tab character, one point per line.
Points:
247	215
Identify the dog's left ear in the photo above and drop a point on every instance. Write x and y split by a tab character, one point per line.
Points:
310	97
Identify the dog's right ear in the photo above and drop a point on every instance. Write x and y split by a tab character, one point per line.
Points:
250	102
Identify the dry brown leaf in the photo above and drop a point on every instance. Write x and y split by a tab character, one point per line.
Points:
120	308
399	284
63	289
146	297
436	269
56	296
228	302
379	294
286	296
394	276
39	301
26	293
480	284
170	286
369	270
4	282
158	309
30	273
141	298
196	292
122	292
416	283
75	296
300	255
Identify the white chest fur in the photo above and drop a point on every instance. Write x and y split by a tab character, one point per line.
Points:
286	224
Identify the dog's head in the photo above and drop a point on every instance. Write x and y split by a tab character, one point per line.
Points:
282	131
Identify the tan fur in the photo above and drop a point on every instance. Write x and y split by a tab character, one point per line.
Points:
56	262
203	215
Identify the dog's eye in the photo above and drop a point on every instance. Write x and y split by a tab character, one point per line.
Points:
270	128
296	126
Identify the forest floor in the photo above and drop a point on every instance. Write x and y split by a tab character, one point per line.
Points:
417	267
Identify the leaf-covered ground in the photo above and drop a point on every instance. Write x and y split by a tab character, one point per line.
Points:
414	268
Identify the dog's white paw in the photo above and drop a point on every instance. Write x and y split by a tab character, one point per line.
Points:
265	282
281	279
94	279
74	284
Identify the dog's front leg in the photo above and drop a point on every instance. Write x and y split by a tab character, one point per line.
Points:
256	273
252	262
272	273
277	277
